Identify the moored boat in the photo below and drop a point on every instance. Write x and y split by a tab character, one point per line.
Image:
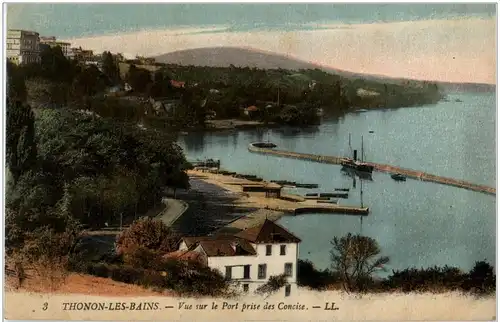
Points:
398	177
356	165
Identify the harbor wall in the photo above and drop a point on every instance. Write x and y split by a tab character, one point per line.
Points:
419	175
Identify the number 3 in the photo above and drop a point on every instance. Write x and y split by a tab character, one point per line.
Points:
45	306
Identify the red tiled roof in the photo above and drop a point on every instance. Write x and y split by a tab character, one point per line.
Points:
234	247
268	232
191	241
177	84
252	108
221	245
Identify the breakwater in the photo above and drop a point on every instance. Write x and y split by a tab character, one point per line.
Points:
419	175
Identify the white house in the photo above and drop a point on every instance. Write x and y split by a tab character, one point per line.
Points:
251	256
23	46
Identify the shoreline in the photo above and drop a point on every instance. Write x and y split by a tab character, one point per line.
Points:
260	207
228	125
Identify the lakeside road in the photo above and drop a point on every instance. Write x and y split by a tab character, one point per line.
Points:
213	206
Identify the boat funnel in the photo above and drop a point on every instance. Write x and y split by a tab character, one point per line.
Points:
355	155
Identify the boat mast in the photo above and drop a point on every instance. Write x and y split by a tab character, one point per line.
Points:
362	150
350	147
361	199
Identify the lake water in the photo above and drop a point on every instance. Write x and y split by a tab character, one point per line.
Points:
416	223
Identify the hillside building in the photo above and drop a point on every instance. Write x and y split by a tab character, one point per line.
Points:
23	46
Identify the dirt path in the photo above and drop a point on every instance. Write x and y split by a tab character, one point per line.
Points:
174	208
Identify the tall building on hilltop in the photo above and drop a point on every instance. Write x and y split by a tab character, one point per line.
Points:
23	46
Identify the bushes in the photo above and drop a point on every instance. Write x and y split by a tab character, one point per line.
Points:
184	278
309	276
146	233
434	278
273	285
126	274
480	280
99	270
142	257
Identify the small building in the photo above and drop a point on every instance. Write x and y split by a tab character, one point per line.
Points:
271	190
52	42
251	110
177	84
23	46
83	55
249	257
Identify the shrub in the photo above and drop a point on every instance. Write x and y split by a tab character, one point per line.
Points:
126	274
273	285
481	279
142	257
309	276
428	279
147	233
99	270
188	278
152	279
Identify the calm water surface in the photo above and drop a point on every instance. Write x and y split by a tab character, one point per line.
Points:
416	223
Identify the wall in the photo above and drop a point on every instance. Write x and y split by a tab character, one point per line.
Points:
275	264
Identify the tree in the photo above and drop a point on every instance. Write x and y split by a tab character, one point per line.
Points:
138	78
148	233
21	150
55	66
161	86
110	67
89	81
16	86
481	278
355	259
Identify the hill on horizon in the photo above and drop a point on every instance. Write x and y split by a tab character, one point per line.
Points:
246	57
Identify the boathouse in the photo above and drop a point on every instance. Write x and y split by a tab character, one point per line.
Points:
270	190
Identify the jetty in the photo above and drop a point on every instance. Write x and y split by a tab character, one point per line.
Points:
418	175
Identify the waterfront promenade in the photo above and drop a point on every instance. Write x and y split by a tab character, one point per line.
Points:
419	175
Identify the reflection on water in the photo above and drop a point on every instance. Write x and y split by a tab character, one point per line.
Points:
416	223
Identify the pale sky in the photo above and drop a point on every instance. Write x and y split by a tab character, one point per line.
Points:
445	42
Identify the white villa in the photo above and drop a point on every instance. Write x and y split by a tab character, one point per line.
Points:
249	257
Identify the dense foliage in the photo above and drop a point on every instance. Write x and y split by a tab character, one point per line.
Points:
144	240
68	167
198	94
183	278
355	258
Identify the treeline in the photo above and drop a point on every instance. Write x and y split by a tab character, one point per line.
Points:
479	280
69	168
200	93
355	259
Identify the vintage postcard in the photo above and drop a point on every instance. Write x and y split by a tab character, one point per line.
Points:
251	161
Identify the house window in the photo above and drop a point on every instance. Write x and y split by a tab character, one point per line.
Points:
288	290
283	250
269	250
246	272
262	271
245	288
228	272
288	269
